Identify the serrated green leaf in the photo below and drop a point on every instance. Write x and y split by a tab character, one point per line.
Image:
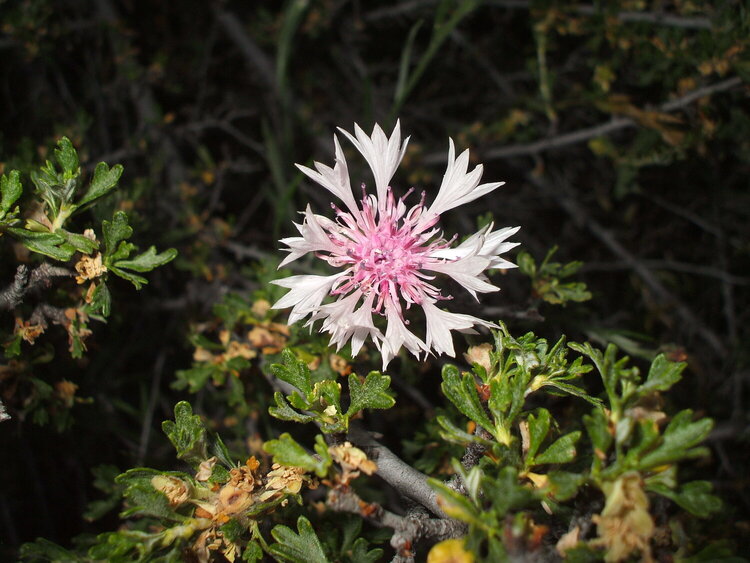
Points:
454	434
695	497
101	301
301	547
678	440
135	279
105	476
360	552
506	493
369	394
124	249
526	264
79	242
148	260
48	244
573	390
143	498
286	451
662	375
187	434
44	550
463	394
294	372
283	411
115	231
538	429
10	191
562	450
454	504
716	552
67	157
252	552
597	428
563	485
105	180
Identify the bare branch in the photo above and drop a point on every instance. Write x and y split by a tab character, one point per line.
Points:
401	476
407	530
615	124
23	283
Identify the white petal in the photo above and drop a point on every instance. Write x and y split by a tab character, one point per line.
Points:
314	238
336	179
381	153
306	293
458	185
396	336
440	324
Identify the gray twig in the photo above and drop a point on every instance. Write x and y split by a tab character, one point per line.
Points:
615	124
407	530
24	282
401	476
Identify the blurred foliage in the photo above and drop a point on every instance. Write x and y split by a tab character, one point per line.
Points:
622	132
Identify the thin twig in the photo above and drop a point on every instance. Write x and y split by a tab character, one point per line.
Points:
23	283
401	476
615	124
407	530
671	265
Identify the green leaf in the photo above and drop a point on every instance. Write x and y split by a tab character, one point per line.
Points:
143	498
526	264
563	485
148	260
662	375
361	553
538	429
286	451
695	497
135	279
369	394
48	244
562	450
101	301
454	434
10	191
597	427
463	394
105	476
79	242
105	180
454	504
66	155
679	439
506	493
252	552
44	550
301	547
283	411
575	391
187	434
294	372
115	231
716	552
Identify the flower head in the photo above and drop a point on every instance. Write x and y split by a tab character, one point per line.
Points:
388	253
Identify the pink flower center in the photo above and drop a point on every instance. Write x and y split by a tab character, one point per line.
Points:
385	250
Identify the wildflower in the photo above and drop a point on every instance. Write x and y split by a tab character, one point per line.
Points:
388	254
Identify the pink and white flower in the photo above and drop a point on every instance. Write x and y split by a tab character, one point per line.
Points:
387	253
